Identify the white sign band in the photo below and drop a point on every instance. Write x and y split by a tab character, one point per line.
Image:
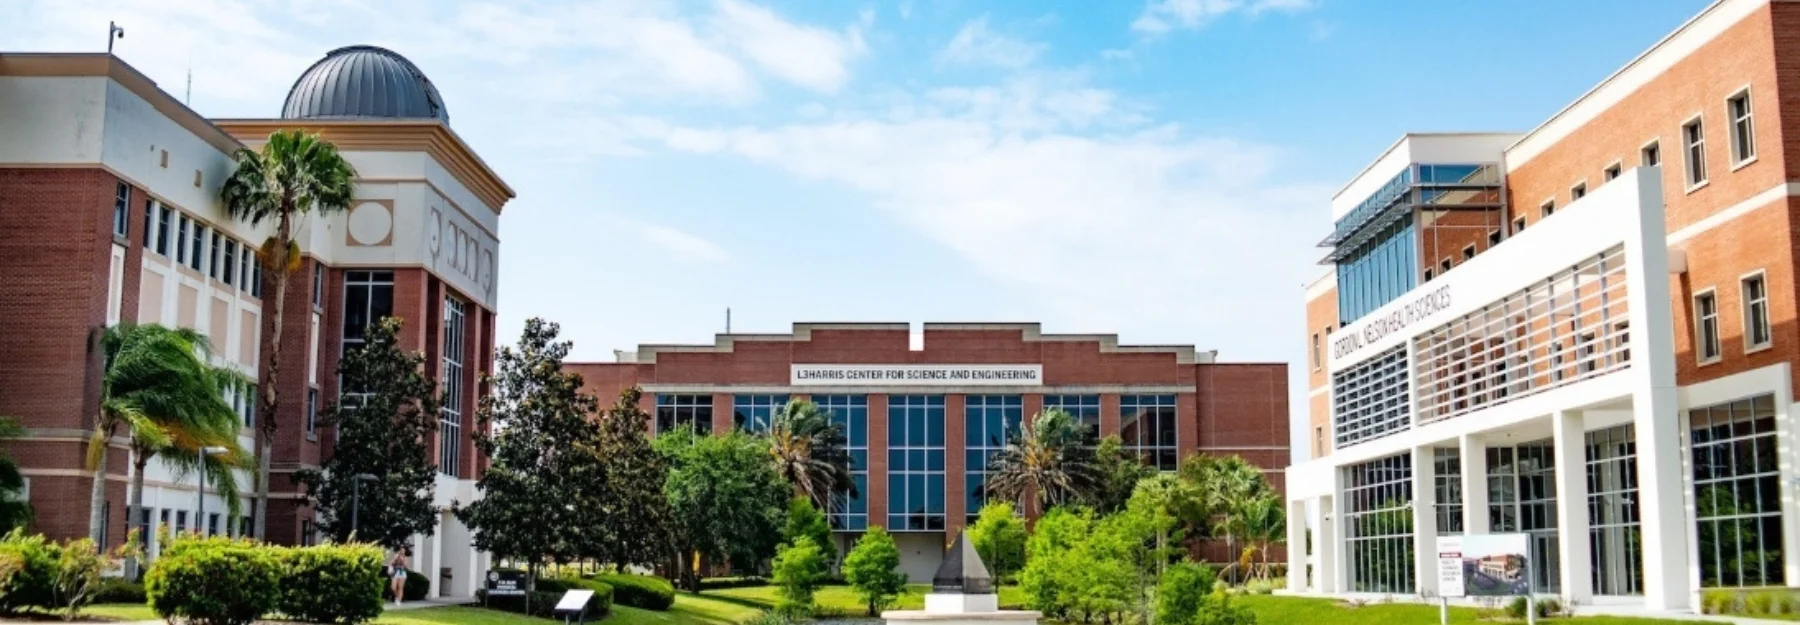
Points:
916	375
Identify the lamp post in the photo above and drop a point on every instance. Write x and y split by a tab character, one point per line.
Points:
113	32
200	499
356	497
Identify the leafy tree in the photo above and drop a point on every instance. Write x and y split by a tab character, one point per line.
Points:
873	570
1050	459
1225	485
725	498
382	431
627	505
805	522
295	173
799	569
1050	577
528	426
1139	537
809	452
1117	472
999	536
1187	596
15	511
150	376
1167	499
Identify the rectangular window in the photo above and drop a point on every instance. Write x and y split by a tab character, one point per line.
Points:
197	248
1319	441
149	223
181	239
1613	171
312	411
851	414
230	270
1444	266
684	411
162	230
1706	326
1693	137
1428	274
1650	155
1447	486
181	521
1493	238
368	297
318	284
1378	522
217	248
212	524
250	406
1743	137
1085	409
451	412
1315	352
1469	252
122	210
1615	532
1147	426
1586	350
989	421
915	463
752	413
1518	225
1738	491
1371	399
246	262
1547	209
1578	191
1756	313
256	280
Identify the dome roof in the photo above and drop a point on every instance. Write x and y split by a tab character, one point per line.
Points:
364	82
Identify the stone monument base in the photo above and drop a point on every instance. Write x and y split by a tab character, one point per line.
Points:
961	609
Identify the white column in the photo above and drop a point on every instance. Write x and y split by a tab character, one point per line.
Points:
1655	403
1296	544
1424	509
1474	483
1571	506
1324	561
1786	458
1338	547
437	559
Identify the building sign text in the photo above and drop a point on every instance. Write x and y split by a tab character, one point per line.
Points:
917	375
1377	328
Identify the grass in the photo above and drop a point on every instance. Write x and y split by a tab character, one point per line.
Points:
119	612
1273	609
689	609
842	600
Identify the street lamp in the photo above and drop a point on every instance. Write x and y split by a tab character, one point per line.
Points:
200	500
356	497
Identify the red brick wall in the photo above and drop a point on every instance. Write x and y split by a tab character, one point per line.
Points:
1321	322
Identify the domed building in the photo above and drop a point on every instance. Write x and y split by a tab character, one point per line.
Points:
364	82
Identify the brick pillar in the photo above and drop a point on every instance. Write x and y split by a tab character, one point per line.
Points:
1109	415
955	480
878	460
721	413
1187	424
1033	404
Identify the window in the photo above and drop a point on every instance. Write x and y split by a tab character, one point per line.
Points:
1147	426
1615	531
149	222
1444	266
1085	409
1546	209
1586	350
1379	525
1428	274
684	411
197	248
318	284
1693	137
181	518
162	230
1370	399
181	239
1737	490
1493	238
231	249
256	280
1447	487
451	412
1518	225
122	210
1318	441
1613	171
1315	352
915	463
250	406
752	413
1578	191
1521	487
1743	136
989	421
1756	313
306	532
247	262
217	248
1650	155
850	512
368	296
1706	326
1469	252
312	411
212	524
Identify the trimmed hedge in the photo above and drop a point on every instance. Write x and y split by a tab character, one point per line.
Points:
213	581
116	590
640	591
417	586
331	583
548	592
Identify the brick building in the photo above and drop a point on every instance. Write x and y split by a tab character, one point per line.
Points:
922	421
1584	333
109	213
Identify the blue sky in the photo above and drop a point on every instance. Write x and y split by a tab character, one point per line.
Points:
1155	168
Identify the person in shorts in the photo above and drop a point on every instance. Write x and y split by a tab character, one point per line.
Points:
397	569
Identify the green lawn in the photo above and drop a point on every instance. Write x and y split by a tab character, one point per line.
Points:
119	612
842	600
1271	609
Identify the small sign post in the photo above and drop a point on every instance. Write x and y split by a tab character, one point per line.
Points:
574	606
1485	565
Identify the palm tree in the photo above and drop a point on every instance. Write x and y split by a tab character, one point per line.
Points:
180	439
150	376
295	173
1265	523
1225	485
809	453
1050	456
14	510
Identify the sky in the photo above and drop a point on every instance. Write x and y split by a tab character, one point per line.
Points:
1159	169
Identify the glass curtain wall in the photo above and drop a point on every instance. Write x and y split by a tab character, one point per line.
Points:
1379	521
989	421
850	512
1737	490
1522	498
915	463
1615	536
1448	495
752	413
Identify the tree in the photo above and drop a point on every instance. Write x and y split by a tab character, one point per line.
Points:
383	423
1117	472
1052	561
528	426
627	505
725	498
809	452
1186	597
999	536
295	173
873	570
1168	499
799	568
1050	459
15	510
1139	536
1225	485
150	375
805	522
1264	523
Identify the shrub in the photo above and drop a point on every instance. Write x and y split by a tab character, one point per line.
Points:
417	586
542	601
722	583
29	565
770	618
330	583
799	567
640	591
873	568
1259	587
117	590
213	581
1546	607
1182	589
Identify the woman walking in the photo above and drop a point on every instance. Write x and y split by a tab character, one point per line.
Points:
397	569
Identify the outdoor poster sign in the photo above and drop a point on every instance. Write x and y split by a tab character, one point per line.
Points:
506	583
1484	565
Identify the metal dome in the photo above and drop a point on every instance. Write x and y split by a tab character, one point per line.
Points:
357	82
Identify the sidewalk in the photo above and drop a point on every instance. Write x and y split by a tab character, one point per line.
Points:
1605	606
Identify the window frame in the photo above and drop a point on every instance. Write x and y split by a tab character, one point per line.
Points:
1519	224
1653	147
1745	303
1494	238
1612	171
1731	122
1688	149
1468	252
1444	266
1578	190
1546	208
1315	351
1700	319
122	211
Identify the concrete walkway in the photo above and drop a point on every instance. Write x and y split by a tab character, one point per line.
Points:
1602	606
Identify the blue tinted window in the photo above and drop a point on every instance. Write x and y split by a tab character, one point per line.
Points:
850	512
1147	425
916	480
753	412
989	422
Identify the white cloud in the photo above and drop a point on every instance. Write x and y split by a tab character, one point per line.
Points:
1163	15
811	57
681	243
975	44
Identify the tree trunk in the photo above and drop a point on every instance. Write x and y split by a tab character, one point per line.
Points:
96	506
139	462
272	375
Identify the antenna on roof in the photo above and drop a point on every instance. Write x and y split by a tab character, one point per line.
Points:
188	98
728	320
